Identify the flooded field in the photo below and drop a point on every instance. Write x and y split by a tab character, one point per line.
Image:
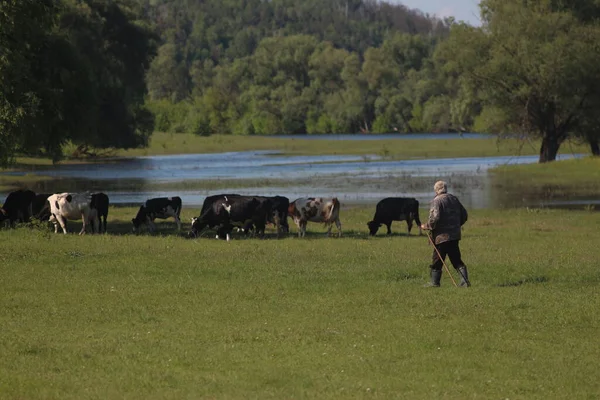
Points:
353	179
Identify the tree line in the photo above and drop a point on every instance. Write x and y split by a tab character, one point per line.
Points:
105	73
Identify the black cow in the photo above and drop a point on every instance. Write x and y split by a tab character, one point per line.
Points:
277	213
17	206
100	203
395	209
227	211
161	207
40	208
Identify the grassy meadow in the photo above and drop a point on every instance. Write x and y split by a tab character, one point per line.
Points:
165	317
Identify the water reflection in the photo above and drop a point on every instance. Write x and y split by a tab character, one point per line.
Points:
353	179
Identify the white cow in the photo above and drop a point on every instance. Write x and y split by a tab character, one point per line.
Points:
74	206
315	209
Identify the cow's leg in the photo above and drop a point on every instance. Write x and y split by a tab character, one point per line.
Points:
409	223
62	223
302	228
84	223
389	227
150	223
96	228
338	224
329	226
298	224
178	221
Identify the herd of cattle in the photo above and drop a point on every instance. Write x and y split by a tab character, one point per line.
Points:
222	213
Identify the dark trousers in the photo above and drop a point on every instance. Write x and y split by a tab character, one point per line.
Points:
449	249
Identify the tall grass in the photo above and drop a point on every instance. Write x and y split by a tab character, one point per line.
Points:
576	177
164	317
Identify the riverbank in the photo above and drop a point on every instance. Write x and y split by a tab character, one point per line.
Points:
161	316
575	178
393	149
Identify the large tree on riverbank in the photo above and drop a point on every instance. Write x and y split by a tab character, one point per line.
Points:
537	68
72	70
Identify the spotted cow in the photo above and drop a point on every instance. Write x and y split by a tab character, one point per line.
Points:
315	209
72	206
160	207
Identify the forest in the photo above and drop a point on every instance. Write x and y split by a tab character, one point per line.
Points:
102	74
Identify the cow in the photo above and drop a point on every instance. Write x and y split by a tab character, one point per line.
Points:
160	207
17	206
315	209
100	203
277	213
227	211
395	209
40	208
72	206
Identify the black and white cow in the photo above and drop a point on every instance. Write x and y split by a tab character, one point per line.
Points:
160	207
72	206
227	211
17	207
100	203
395	209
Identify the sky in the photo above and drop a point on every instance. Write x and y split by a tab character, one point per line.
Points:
465	10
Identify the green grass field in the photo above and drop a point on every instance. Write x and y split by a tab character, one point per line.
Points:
165	317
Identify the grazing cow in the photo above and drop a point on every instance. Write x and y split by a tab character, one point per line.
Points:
315	209
277	213
17	206
395	209
40	208
161	207
227	211
72	206
100	203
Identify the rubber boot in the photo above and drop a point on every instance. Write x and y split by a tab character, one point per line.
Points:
464	276
436	276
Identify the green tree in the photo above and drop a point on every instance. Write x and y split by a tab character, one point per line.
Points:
538	67
24	31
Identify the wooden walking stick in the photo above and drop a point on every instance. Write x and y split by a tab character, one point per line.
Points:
440	256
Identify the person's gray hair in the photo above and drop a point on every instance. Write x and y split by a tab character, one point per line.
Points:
440	187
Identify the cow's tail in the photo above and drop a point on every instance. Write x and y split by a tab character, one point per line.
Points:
335	207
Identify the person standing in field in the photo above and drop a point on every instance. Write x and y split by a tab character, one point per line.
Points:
446	217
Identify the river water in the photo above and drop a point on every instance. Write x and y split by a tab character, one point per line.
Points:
353	179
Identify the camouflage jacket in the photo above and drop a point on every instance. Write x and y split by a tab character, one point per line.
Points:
446	216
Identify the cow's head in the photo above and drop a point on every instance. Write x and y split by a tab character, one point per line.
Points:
139	218
373	227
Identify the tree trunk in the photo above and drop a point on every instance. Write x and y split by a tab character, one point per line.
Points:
594	147
549	149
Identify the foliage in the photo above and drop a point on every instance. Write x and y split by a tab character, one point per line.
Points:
538	68
72	71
